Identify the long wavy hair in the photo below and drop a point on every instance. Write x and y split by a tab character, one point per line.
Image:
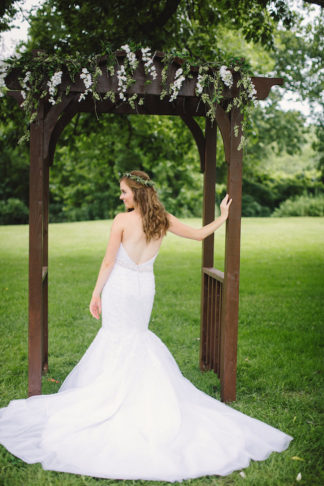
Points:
154	216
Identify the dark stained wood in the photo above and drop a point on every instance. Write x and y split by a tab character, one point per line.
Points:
264	85
208	216
212	323
36	215
209	190
52	119
152	106
198	136
208	323
203	323
45	266
230	303
224	126
218	310
214	273
105	82
16	95
58	129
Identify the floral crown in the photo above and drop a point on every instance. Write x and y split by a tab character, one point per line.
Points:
140	180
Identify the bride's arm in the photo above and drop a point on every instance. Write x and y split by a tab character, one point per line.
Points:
200	234
107	264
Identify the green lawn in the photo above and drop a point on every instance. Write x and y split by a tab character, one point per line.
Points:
280	350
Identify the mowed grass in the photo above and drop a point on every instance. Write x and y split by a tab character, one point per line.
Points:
280	349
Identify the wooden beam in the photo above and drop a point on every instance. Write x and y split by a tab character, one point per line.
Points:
208	217
152	106
214	273
198	136
230	303
51	120
56	132
224	126
264	85
45	265
106	82
36	256
209	189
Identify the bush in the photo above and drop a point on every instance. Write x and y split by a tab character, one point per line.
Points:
251	208
13	211
301	206
260	193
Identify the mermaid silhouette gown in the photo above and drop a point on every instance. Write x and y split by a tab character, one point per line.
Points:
126	411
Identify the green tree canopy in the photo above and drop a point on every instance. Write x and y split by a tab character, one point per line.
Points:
270	35
70	25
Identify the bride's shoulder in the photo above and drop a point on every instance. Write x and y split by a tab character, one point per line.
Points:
120	218
123	218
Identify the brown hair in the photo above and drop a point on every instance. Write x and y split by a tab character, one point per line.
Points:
154	216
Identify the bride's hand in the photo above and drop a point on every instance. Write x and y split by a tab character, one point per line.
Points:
95	306
224	206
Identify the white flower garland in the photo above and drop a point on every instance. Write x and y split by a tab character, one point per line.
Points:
200	84
87	81
25	84
52	84
209	87
148	62
226	76
2	78
176	86
133	62
122	82
251	91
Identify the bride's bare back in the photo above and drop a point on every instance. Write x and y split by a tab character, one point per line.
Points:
134	240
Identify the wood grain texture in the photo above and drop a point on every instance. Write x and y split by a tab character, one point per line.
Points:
208	243
230	304
36	256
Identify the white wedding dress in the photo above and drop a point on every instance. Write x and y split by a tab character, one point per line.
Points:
126	411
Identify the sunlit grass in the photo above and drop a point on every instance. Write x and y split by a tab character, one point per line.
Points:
280	352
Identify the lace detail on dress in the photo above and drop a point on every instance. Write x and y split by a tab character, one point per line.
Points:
124	260
133	266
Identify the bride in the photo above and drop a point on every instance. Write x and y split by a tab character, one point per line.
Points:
126	411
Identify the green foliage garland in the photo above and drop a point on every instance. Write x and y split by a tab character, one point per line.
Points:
41	76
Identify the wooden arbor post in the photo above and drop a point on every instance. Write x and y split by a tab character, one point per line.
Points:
43	136
220	291
38	257
230	303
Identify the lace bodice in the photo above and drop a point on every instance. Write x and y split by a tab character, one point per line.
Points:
124	260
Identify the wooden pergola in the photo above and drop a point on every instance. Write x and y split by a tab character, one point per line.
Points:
220	290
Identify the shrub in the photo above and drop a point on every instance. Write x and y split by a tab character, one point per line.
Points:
301	206
259	191
251	208
13	211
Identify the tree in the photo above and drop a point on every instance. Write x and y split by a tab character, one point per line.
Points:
8	9
90	26
255	30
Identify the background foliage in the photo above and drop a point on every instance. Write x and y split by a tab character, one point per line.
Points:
285	155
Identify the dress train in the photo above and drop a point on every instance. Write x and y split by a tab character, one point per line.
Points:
126	411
